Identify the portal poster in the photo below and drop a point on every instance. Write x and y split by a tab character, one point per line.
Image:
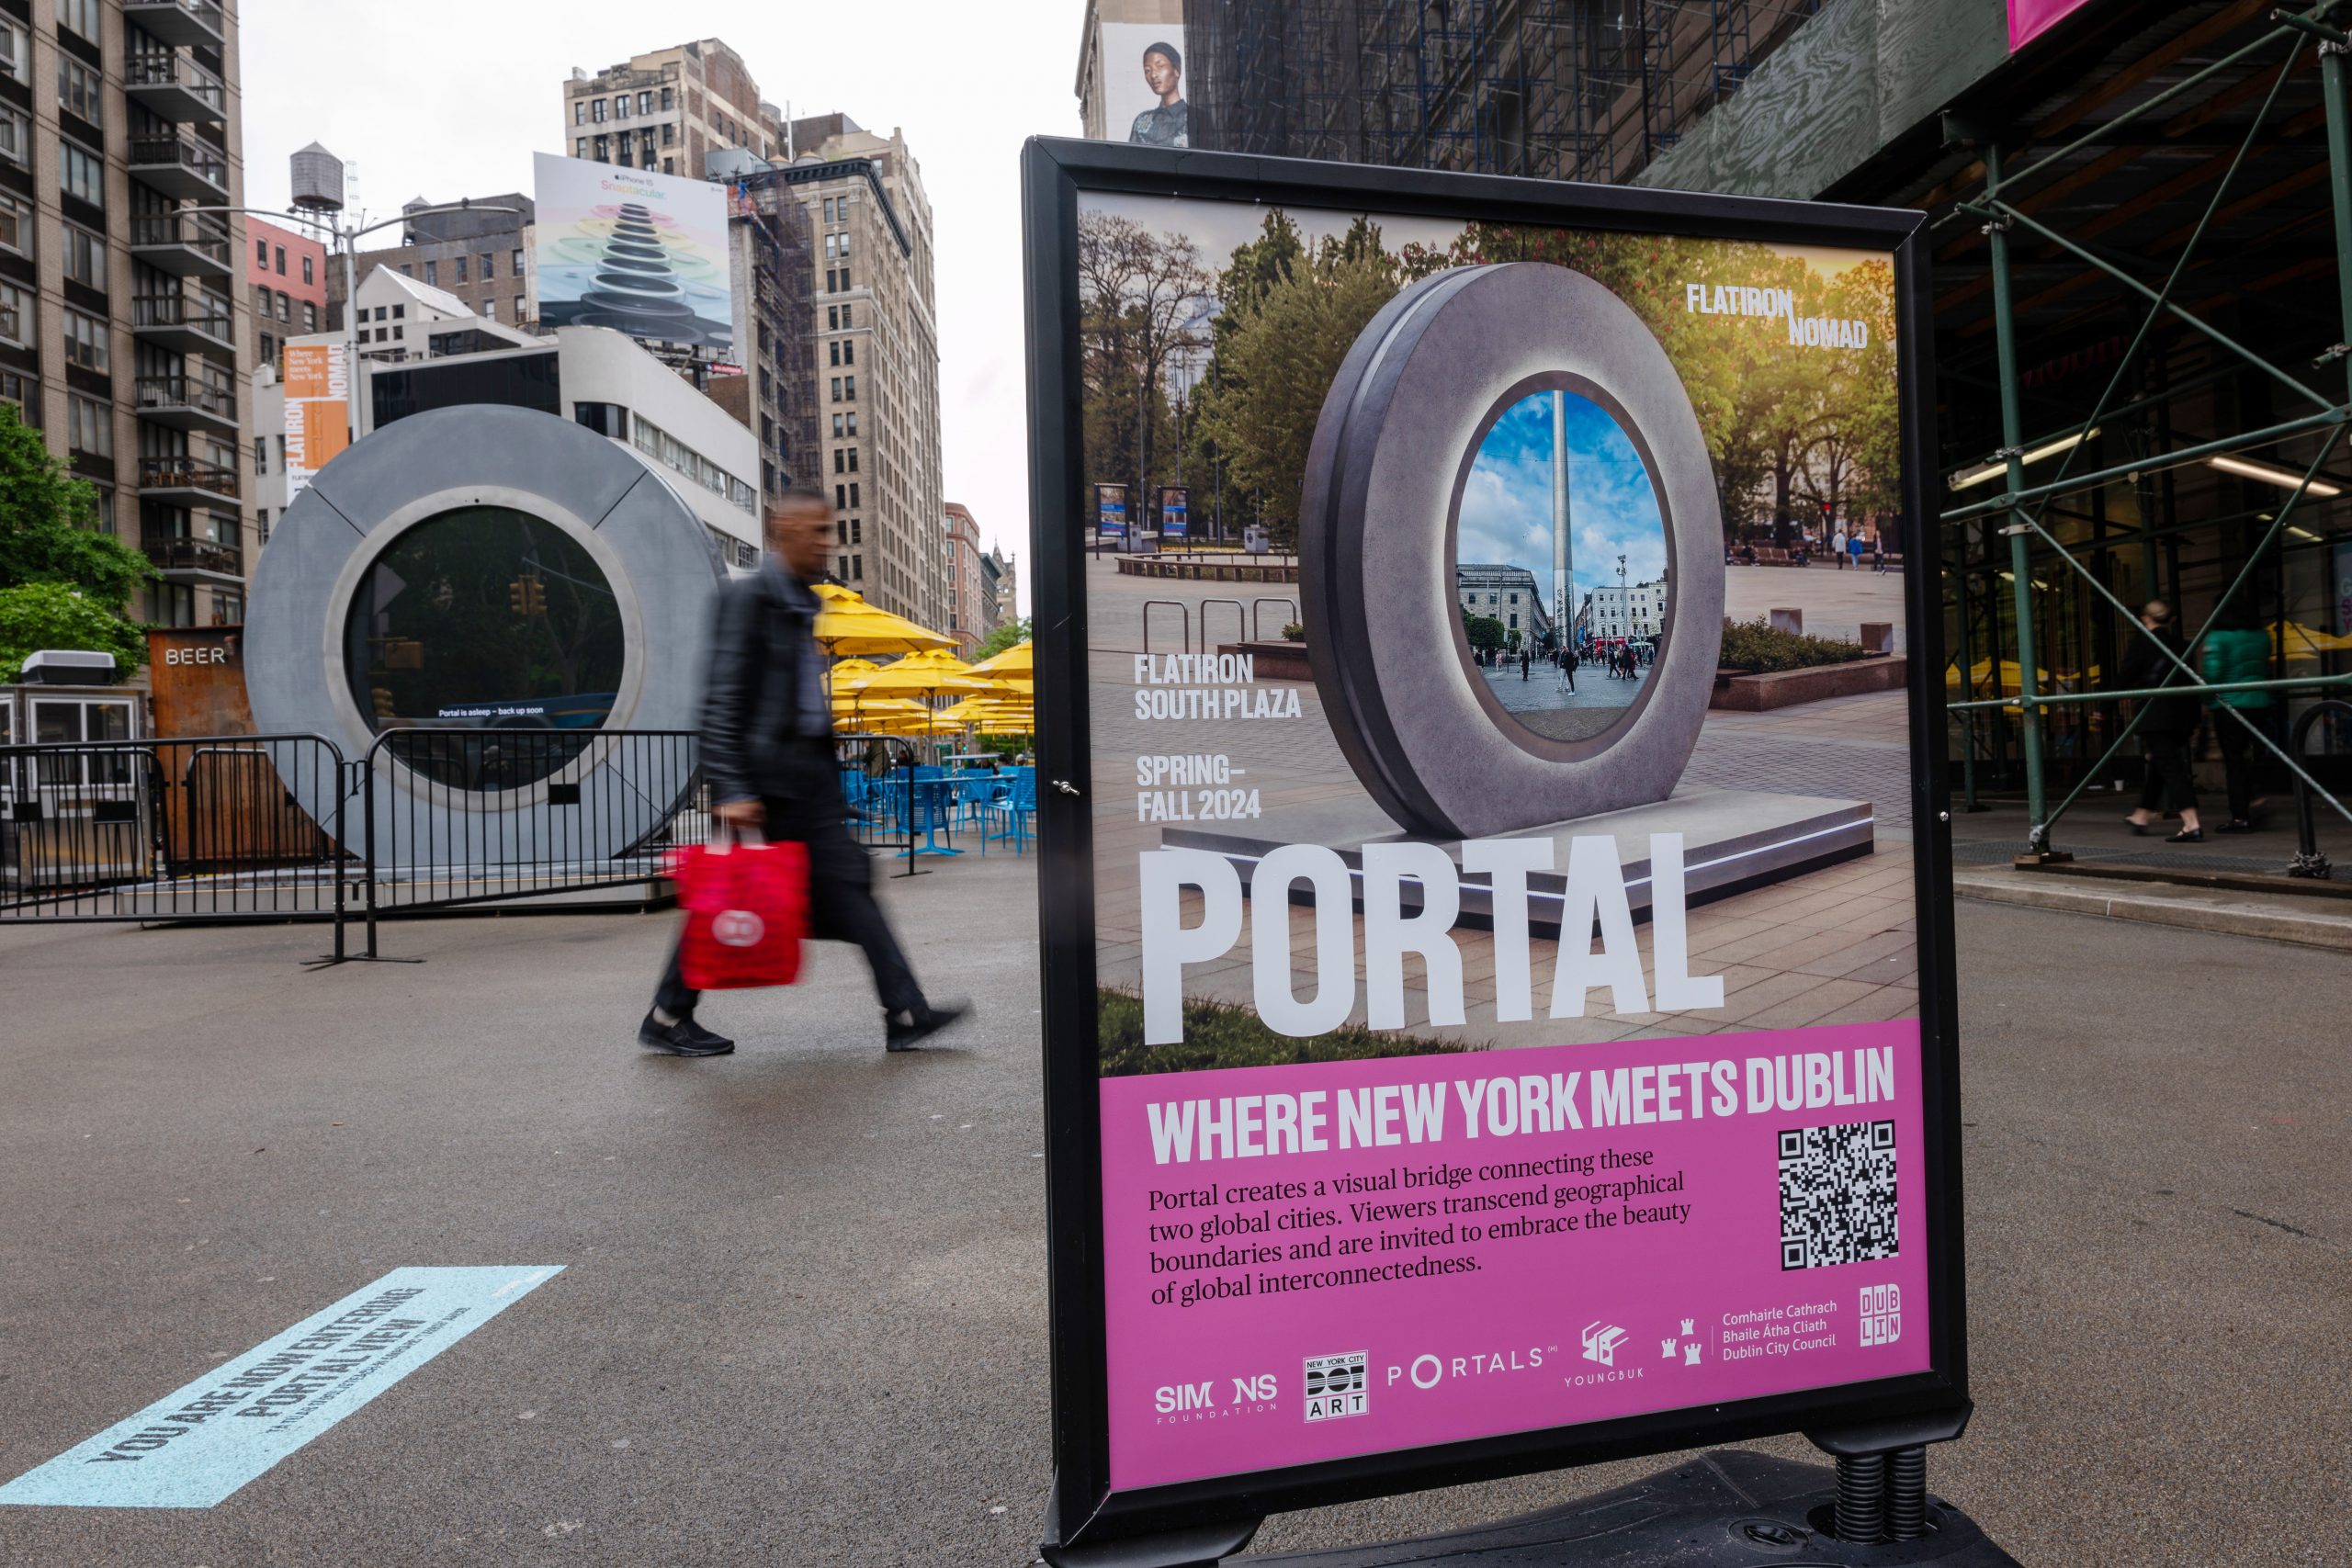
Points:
1506	983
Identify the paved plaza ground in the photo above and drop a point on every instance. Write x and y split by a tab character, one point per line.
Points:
801	1318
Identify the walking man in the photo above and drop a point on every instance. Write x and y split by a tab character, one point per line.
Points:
1838	544
767	750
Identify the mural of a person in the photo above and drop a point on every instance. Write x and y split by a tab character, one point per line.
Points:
1168	124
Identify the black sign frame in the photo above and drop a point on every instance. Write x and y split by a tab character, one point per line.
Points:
1858	1416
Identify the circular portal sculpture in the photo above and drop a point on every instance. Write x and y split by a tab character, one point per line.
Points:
503	573
1393	448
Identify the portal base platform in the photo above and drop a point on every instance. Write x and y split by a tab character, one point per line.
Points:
1732	840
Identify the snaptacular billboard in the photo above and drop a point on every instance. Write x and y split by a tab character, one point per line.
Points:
641	253
1500	1026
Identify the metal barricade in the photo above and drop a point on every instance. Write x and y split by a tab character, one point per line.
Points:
167	830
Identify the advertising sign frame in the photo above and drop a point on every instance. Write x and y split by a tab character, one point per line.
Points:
1862	1416
1175	514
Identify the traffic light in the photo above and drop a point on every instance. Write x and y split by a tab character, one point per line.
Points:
527	596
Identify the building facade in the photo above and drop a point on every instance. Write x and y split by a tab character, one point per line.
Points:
123	327
967	603
1505	593
669	110
286	278
1634	610
482	257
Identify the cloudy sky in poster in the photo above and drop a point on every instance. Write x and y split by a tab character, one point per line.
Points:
1506	516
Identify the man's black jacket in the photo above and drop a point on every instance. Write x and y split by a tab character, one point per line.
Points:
751	744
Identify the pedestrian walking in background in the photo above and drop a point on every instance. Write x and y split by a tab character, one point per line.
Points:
2166	725
1838	548
2237	649
767	750
1878	553
1854	546
1568	665
1526	661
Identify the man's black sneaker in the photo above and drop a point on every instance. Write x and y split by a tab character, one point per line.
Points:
904	1028
683	1038
2237	825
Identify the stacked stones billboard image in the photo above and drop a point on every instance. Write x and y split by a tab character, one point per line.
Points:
1505	946
641	253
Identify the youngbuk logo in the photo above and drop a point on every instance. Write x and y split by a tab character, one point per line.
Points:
1600	1341
738	928
1338	1385
1881	1315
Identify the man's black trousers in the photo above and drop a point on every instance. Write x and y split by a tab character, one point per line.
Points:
841	908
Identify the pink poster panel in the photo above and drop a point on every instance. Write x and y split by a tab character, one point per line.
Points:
1318	1261
2028	20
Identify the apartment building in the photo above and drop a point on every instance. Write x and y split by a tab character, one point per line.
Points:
286	278
482	255
967	603
669	109
121	325
1000	589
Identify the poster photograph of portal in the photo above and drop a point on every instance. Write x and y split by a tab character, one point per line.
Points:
1505	597
641	253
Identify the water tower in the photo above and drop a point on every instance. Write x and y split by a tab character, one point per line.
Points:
318	182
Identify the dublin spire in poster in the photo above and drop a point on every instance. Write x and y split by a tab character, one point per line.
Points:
641	253
1502	993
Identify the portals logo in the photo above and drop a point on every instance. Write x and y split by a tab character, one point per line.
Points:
1425	1370
1881	1315
738	928
1600	1341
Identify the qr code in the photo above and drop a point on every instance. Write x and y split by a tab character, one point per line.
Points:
1836	1194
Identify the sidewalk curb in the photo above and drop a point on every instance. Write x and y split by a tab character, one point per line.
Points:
2187	908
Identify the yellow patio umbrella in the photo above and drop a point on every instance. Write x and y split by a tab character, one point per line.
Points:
1016	662
846	624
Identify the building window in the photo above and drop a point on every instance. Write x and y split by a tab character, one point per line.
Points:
842	569
379	313
841	498
857	566
432	272
853	460
14	224
837	426
490	310
837	354
16	53
596	111
849	354
852	422
81	172
669	97
624	156
261	300
514	266
848	384
86	341
227	607
840	464
579	147
281	261
81	15
845	244
601	155
849	313
620	107
18	314
829	210
81	90
261	455
832	318
309	316
307	266
488	265
21	389
669	133
857	528
269	347
261	524
85	256
261	254
459	263
89	425
285	308
669	165
16	139
398	311
837	388
852	492
832	281
645	102
579	111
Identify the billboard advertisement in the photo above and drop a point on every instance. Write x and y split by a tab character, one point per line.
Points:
641	253
1499	1045
318	416
1111	515
1143	85
1175	514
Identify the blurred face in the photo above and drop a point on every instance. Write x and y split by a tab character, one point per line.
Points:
1159	73
801	534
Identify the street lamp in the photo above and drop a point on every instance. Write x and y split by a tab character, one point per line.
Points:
1624	604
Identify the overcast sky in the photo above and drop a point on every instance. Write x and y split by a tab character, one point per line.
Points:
1506	514
443	99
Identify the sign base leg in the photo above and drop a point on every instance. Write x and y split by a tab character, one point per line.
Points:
1727	1509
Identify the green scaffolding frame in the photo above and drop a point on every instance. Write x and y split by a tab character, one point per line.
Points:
2294	33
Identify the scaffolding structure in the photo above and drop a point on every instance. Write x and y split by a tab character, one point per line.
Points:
783	313
1559	89
2043	529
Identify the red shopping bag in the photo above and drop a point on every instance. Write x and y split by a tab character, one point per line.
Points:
747	908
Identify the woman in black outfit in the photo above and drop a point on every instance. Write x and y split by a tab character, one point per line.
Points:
2166	727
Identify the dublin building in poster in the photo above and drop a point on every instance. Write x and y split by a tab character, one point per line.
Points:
1501	984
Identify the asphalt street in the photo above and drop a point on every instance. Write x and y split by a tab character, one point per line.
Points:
801	1315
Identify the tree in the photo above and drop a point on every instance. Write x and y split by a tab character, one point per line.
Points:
1143	303
35	615
1485	632
64	580
1001	638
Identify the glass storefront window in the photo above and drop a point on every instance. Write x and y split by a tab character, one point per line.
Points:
485	619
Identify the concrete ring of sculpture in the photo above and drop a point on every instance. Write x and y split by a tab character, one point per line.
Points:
1400	429
655	556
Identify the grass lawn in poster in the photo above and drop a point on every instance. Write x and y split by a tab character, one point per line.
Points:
1382	1180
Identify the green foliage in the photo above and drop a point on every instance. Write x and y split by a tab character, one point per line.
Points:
35	615
1760	649
1293	631
1216	1035
50	529
1002	637
1484	632
1290	319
